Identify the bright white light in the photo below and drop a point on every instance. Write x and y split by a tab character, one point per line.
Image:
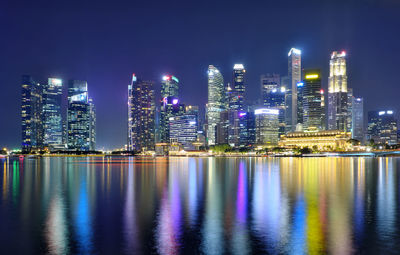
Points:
238	66
294	51
54	81
266	111
283	89
389	112
165	78
381	113
192	122
274	90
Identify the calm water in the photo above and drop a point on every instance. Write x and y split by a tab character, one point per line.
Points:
200	205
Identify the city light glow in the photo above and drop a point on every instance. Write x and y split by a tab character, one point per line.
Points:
266	111
312	76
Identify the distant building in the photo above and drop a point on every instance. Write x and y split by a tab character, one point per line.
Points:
183	130
238	88
52	118
266	126
275	98
313	103
337	92
357	128
269	83
300	98
31	114
322	140
169	86
170	108
141	115
216	102
294	73
382	127
222	130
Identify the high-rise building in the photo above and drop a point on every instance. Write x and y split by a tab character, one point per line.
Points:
238	88
269	83
31	114
216	102
275	98
141	115
266	126
337	92
81	118
52	118
323	110
300	98
294	73
223	128
357	128
170	108
349	108
382	127
169	86
313	102
183	130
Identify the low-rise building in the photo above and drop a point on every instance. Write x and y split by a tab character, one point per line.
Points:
322	140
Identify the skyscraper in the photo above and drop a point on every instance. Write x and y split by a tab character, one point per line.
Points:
170	108
52	118
294	73
357	129
183	130
141	115
216	102
300	108
312	100
337	92
80	117
266	126
238	88
31	114
269	83
169	86
382	127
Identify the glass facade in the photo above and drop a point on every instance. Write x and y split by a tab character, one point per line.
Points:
236	101
357	129
141	115
52	95
183	129
313	110
266	126
382	127
294	73
216	102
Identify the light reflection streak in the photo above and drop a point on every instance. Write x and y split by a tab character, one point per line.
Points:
130	225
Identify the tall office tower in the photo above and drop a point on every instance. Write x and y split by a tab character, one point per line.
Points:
349	109
337	92
31	114
266	126
52	95
357	128
81	117
223	128
275	98
170	108
216	102
323	110
294	73
183	130
312	100
238	88
285	83
382	127
141	115
169	86
92	137
269	82
300	109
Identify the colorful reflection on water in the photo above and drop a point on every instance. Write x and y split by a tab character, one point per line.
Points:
199	205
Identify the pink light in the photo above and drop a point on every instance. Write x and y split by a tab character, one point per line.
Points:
175	101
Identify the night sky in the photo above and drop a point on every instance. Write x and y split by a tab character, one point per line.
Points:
104	42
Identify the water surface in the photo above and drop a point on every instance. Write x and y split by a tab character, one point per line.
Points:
199	205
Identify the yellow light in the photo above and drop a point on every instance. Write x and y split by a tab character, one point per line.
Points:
312	76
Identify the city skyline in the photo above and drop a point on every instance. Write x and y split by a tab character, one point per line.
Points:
108	83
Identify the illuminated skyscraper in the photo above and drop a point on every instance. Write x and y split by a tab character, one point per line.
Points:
52	118
266	126
313	110
170	108
183	130
31	114
169	86
337	92
216	102
269	83
357	128
141	115
238	88
294	73
382	127
300	105
81	133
